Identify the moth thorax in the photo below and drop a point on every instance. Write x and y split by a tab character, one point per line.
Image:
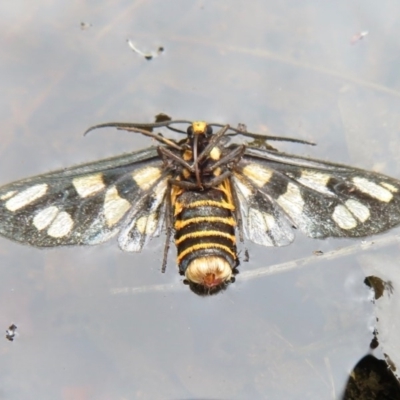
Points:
209	271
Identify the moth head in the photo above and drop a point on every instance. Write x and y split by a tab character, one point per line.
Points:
199	128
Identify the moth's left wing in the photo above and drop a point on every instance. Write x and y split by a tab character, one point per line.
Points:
88	204
321	199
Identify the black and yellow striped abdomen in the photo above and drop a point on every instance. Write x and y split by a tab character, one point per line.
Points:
204	227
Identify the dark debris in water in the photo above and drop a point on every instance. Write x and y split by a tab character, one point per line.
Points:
10	332
147	55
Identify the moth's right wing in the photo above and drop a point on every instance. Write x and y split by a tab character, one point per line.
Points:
278	192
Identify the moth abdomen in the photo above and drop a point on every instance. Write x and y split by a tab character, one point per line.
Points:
205	236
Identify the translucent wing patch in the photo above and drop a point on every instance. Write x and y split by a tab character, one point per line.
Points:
147	222
263	221
87	204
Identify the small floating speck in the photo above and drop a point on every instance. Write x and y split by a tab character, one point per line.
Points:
148	56
358	36
10	332
85	26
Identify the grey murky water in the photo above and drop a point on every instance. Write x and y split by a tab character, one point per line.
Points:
284	68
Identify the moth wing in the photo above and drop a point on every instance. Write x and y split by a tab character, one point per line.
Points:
263	221
82	205
319	198
146	222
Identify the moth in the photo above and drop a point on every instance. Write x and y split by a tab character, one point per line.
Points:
206	192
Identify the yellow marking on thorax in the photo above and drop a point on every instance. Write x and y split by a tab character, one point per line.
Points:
181	224
217	171
205	234
215	153
204	246
186	173
187	155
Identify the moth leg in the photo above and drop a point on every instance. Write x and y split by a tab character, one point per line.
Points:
238	215
218	179
234	155
168	155
169	228
184	184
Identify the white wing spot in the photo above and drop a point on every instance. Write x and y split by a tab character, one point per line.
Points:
266	221
61	226
258	224
147	224
26	197
145	177
115	206
359	210
89	185
292	202
45	217
258	175
390	187
342	216
315	180
372	189
269	220
8	195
